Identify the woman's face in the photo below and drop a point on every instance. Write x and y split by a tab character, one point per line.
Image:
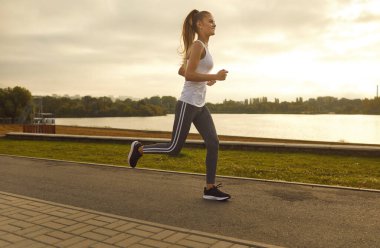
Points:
207	25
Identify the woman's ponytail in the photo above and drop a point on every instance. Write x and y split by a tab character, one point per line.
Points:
188	32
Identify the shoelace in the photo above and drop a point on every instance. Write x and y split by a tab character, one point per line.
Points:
216	187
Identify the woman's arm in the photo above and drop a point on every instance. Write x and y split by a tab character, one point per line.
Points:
182	71
190	71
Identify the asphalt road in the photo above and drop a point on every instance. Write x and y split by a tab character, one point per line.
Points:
272	213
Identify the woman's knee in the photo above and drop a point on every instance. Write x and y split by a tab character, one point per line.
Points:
213	144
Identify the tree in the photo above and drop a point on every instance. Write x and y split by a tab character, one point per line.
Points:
169	103
155	100
16	103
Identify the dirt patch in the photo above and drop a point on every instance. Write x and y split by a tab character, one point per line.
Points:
6	128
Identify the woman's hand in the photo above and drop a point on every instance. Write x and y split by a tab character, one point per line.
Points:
211	82
182	71
221	75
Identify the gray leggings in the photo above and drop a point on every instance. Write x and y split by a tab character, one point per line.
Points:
185	114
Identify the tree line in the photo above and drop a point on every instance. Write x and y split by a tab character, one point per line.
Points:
89	106
18	105
319	105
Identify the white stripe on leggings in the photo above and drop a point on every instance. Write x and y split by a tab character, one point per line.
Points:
176	136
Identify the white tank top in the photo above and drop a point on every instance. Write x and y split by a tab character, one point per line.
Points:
194	93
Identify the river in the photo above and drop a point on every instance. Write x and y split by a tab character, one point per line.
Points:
337	128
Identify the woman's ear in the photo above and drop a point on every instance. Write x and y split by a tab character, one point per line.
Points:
199	25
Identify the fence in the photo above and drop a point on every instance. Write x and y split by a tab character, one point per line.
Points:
5	120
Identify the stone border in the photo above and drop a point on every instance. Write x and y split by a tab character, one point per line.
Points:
59	221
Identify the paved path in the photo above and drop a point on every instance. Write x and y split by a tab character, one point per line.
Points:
273	213
32	223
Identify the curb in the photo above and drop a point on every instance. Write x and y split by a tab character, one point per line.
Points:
200	174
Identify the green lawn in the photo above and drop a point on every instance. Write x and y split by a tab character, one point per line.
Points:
353	171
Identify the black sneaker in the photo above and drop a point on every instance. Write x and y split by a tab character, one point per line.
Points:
215	194
134	154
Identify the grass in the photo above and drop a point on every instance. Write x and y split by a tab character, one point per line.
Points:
352	171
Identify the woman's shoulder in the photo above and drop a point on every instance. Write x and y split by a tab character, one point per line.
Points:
197	48
197	45
200	43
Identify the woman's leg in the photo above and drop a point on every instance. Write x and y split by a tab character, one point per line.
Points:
184	115
205	126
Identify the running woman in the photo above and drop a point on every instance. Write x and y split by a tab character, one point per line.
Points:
191	108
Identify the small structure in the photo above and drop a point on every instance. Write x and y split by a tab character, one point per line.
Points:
42	123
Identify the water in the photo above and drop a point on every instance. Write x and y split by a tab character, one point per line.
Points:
336	128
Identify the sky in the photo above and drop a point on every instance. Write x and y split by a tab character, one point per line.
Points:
275	48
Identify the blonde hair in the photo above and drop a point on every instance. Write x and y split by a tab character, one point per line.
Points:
189	29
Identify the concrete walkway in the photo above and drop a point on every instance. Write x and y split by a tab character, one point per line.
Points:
360	149
286	215
32	223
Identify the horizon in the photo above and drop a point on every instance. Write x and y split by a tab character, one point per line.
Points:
283	48
113	98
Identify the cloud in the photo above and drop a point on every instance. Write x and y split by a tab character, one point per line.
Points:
368	17
108	47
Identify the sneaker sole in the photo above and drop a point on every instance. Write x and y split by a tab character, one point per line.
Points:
130	152
214	198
